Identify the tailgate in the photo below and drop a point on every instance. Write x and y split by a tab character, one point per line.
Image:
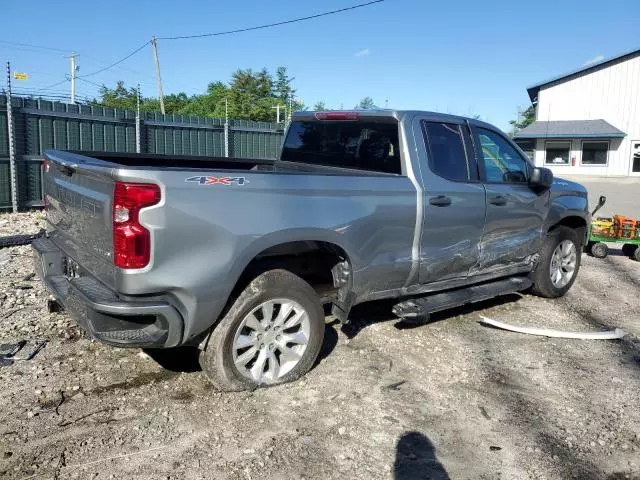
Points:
79	212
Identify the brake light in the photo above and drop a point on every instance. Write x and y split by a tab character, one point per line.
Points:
337	115
131	241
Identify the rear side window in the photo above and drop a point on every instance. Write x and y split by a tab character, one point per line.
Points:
359	144
447	157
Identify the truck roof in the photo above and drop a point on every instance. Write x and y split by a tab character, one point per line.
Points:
388	112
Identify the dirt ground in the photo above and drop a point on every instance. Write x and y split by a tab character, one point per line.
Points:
450	399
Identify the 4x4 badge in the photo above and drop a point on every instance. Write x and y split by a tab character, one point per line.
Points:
202	180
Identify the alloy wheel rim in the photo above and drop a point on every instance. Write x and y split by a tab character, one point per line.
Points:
563	263
271	340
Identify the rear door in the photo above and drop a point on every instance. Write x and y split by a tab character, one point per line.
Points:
515	212
453	201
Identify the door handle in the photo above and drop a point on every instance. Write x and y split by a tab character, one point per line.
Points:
498	201
440	201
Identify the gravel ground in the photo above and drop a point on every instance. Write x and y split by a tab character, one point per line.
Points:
450	399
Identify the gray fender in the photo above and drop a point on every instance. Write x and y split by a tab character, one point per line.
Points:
286	236
565	206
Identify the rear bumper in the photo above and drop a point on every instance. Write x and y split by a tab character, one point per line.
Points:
148	322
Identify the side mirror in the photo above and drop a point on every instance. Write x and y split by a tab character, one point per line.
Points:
541	178
601	201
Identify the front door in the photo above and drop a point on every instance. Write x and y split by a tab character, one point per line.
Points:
635	157
515	212
453	200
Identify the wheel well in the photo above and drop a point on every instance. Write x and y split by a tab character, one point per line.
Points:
579	224
325	266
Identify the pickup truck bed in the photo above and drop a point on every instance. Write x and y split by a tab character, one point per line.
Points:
155	250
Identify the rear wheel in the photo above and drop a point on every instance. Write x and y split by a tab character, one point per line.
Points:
558	264
636	254
599	250
272	334
629	249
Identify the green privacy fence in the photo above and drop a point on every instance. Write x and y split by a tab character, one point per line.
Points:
39	125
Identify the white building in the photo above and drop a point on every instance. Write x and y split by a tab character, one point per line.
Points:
588	121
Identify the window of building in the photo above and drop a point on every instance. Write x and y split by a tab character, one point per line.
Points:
595	153
557	153
447	157
502	162
528	147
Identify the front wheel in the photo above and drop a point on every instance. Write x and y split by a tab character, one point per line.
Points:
558	264
599	250
272	334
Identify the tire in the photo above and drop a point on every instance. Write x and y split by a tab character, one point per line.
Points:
543	285
629	249
18	240
587	247
636	254
600	250
221	352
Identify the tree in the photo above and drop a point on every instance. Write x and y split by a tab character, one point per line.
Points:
319	106
119	97
249	95
209	104
525	118
283	89
366	104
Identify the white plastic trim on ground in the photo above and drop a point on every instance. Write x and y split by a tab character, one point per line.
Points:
545	332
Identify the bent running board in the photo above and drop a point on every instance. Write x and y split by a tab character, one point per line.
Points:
436	302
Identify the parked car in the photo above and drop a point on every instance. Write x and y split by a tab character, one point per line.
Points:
237	256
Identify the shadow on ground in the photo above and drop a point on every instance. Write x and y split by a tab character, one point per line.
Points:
416	459
374	312
180	359
185	359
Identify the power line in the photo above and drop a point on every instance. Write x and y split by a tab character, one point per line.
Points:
116	63
30	45
59	50
52	86
84	55
92	83
102	85
285	22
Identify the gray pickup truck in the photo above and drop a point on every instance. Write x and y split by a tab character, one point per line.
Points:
238	256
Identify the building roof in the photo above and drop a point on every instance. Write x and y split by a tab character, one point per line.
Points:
534	89
570	129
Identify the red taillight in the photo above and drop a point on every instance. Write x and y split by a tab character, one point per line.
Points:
131	241
337	115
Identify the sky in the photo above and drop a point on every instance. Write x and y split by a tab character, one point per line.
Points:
461	57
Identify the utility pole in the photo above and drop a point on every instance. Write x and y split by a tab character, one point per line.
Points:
290	106
74	69
138	121
226	127
277	108
12	148
154	44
